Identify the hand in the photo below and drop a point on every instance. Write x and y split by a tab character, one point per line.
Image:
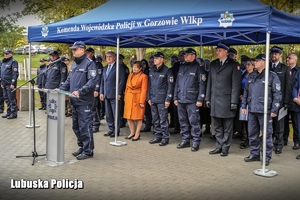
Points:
273	115
244	111
175	102
12	86
297	101
101	97
119	97
142	105
167	104
198	104
241	97
149	101
208	104
56	89
233	106
2	86
96	94
75	93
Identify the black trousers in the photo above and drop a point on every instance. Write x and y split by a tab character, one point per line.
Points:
224	130
293	116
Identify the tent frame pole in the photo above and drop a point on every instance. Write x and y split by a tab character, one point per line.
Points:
265	172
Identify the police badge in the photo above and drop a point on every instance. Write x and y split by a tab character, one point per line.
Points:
203	77
277	85
171	79
92	73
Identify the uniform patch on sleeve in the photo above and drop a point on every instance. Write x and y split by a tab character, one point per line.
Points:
277	105
277	86
203	77
238	68
99	71
202	95
15	69
170	95
171	79
92	73
63	70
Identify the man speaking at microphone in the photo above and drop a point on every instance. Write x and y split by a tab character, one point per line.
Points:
81	83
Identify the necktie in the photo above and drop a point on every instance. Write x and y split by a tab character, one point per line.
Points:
108	70
274	65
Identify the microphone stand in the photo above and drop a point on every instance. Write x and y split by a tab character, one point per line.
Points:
32	81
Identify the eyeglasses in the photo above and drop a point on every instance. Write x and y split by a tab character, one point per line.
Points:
289	58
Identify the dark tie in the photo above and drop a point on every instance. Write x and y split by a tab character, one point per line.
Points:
108	69
274	66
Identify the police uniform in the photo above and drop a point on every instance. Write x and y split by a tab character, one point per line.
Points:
296	95
101	105
189	89
122	102
40	82
82	78
108	89
1	94
160	90
56	74
253	97
222	96
9	75
284	75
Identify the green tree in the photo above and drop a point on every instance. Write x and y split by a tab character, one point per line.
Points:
290	6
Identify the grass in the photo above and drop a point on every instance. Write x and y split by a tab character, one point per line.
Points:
35	59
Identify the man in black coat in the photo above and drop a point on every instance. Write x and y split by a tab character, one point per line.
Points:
284	74
222	96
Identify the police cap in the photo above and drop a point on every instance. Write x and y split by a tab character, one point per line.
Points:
53	53
232	50
78	44
190	50
42	60
90	49
7	51
260	57
159	54
98	56
121	56
276	49
245	58
223	45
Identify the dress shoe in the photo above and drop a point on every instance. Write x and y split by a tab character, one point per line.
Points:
163	143
278	151
175	131
108	133
267	162
84	156
68	115
46	109
4	116
136	139
153	141
41	108
11	117
78	152
183	145
102	117
146	130
298	157
251	158
1	111
296	146
113	134
224	153
129	137
195	147
244	145
95	130
215	151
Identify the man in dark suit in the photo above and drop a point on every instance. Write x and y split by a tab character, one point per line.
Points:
284	74
108	92
291	61
222	96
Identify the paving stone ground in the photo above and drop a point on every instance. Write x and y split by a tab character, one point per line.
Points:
140	170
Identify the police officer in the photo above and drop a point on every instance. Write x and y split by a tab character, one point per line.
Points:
9	75
81	83
96	119
57	72
108	92
232	53
1	94
40	82
222	96
159	96
188	97
284	75
253	97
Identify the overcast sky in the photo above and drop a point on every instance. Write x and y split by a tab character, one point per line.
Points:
25	21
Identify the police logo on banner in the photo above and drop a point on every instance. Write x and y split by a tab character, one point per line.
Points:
203	77
226	19
171	79
92	73
45	31
277	86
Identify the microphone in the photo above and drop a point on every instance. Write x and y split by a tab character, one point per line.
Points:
56	61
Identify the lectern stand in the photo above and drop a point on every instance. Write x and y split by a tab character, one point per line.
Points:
55	147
